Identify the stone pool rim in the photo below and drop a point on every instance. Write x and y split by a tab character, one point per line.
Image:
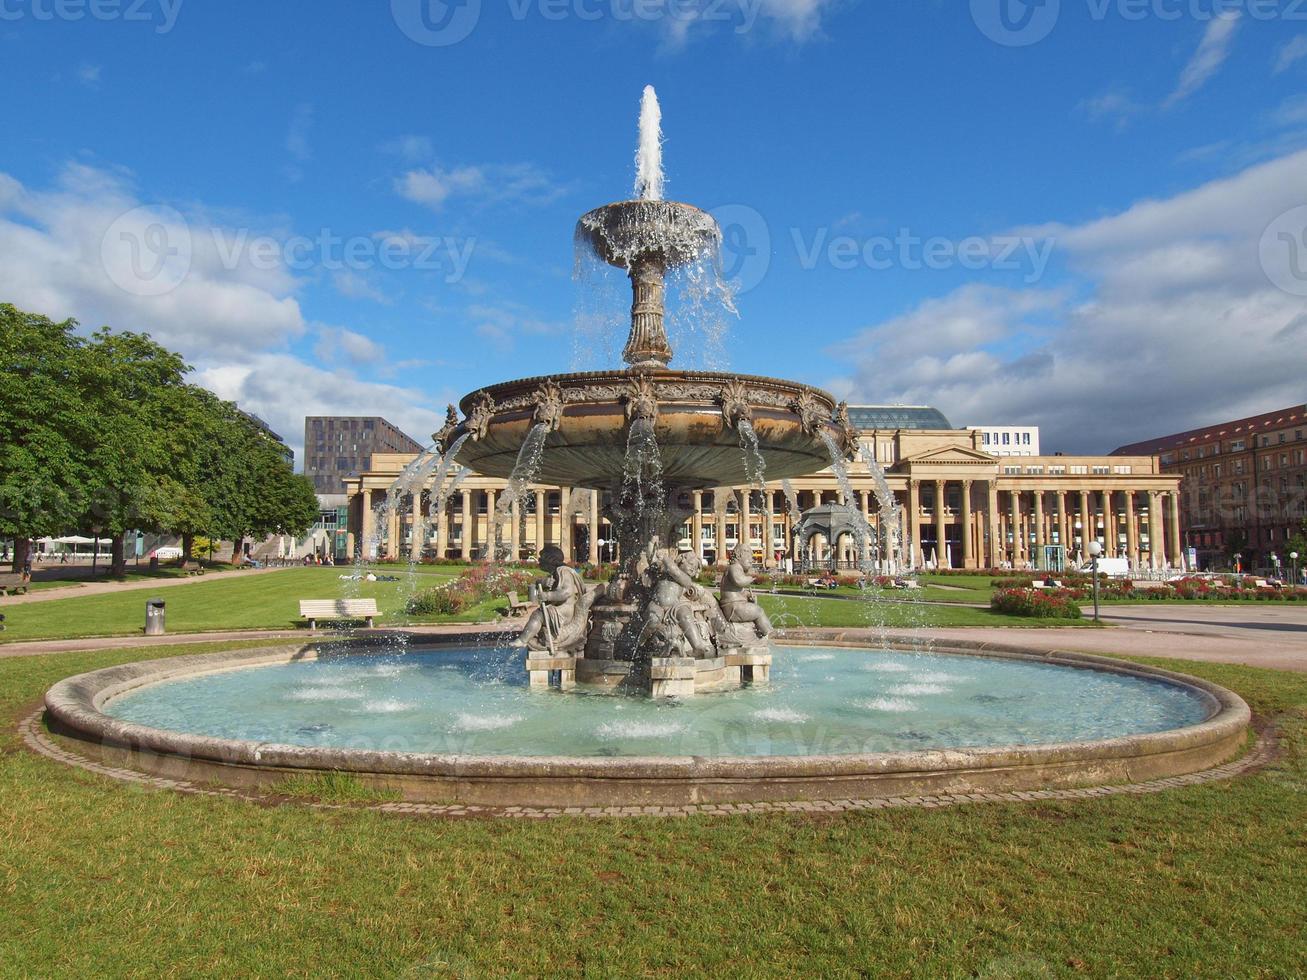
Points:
73	709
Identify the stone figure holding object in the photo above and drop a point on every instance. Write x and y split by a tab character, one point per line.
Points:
738	602
558	623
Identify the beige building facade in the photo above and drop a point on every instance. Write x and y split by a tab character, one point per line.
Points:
957	505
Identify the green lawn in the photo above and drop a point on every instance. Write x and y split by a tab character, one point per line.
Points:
245	601
795	611
98	878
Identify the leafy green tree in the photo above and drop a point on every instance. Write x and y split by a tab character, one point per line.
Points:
44	427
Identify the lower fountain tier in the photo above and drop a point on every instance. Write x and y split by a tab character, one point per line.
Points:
696	426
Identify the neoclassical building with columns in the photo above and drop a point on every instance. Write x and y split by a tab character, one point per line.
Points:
958	506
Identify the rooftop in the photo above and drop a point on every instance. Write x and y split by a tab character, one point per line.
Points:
866	417
1237	429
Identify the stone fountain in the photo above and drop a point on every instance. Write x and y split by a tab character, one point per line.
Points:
648	435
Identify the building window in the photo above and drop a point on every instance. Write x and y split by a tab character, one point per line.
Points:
1079	470
1025	438
1101	470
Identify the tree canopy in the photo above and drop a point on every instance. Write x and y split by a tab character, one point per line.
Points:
104	434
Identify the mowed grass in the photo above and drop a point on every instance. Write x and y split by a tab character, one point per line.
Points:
795	611
99	878
245	601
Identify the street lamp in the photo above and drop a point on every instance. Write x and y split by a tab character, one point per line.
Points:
1293	556
1095	549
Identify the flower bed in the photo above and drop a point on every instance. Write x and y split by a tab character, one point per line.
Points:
476	585
1036	603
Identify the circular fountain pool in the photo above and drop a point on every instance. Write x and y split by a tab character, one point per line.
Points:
475	701
458	721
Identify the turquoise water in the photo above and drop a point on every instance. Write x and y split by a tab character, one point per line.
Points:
821	701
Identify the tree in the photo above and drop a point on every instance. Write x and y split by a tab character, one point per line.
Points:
44	428
131	384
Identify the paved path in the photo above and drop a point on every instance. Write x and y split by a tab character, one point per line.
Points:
98	587
1270	635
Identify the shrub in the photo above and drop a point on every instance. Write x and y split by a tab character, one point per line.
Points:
1036	603
476	585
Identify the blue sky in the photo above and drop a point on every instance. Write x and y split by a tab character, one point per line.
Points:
1118	175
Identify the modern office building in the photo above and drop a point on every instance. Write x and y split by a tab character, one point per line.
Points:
1008	440
1244	485
338	446
957	505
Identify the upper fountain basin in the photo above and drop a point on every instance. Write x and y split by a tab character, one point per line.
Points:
696	425
628	230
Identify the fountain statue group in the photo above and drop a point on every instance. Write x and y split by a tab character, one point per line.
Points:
648	436
673	630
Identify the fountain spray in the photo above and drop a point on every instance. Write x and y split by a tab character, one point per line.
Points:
649	151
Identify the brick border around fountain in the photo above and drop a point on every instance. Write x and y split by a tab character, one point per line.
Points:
73	710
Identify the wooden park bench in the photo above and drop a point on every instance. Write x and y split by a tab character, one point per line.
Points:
337	609
191	568
516	607
12	583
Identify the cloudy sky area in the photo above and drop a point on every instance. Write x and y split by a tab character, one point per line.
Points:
1062	215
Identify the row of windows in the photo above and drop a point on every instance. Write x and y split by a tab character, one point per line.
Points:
1008	439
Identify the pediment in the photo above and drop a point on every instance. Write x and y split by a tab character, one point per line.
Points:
951	454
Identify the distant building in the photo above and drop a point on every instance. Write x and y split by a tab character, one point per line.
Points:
339	446
1008	440
956	505
1244	487
287	453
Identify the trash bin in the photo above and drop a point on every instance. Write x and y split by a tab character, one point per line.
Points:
154	621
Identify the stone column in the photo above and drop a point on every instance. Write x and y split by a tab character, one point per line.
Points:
1105	504
1131	530
1173	527
1156	552
593	528
768	539
415	539
968	559
994	516
719	523
1040	534
1086	534
696	525
366	519
465	541
565	522
941	529
744	533
916	559
542	508
488	540
1018	542
515	532
1059	501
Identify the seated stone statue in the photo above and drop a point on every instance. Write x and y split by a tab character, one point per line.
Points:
738	603
672	622
559	623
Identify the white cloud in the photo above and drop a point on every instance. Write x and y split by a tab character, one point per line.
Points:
1207	60
519	183
1114	104
1290	53
89	74
282	390
355	285
337	342
409	148
90	248
503	323
1170	322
